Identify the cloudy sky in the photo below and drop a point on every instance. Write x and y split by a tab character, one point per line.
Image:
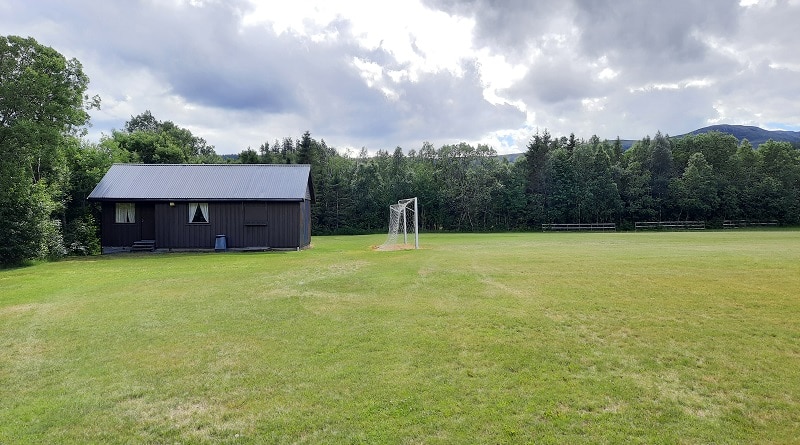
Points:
381	74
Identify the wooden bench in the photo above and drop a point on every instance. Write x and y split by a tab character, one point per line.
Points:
596	227
740	223
734	223
646	225
669	225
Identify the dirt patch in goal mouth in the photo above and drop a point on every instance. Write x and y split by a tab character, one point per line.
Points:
391	247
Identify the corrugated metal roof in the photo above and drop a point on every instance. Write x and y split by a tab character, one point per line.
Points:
208	182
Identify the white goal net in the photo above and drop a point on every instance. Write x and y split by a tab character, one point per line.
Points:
403	226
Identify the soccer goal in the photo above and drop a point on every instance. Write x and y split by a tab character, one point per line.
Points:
403	221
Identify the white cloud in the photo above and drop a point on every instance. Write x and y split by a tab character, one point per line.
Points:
425	40
387	73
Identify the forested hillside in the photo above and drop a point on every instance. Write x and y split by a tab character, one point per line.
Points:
710	177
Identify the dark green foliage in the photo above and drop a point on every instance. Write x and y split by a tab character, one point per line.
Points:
52	242
559	180
80	237
42	111
535	173
155	142
20	218
563	191
249	156
696	190
306	150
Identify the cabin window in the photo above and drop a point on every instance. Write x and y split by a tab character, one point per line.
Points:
198	212
255	214
126	213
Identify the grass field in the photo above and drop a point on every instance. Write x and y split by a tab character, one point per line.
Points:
501	338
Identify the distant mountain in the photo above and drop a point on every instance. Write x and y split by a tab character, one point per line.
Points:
510	157
755	135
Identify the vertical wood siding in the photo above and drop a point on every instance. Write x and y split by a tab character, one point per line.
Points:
305	235
118	235
244	224
282	235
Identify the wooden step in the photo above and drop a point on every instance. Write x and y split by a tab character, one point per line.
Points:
146	245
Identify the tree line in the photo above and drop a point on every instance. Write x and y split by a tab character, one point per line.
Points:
47	170
710	177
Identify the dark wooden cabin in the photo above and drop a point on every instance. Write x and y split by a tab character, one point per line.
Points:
190	206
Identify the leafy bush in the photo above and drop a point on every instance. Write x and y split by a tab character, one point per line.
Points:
20	221
52	241
80	237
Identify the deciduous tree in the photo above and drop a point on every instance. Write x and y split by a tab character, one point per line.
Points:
43	108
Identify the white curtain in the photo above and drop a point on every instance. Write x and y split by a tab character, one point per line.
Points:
126	213
193	207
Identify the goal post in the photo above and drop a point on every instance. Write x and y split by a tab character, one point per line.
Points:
403	220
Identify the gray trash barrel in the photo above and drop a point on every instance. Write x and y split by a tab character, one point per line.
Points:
220	244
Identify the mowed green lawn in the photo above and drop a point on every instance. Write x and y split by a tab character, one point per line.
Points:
498	338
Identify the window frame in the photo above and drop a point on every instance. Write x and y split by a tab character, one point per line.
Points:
193	206
128	209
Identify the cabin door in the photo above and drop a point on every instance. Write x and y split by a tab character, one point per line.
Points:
147	221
